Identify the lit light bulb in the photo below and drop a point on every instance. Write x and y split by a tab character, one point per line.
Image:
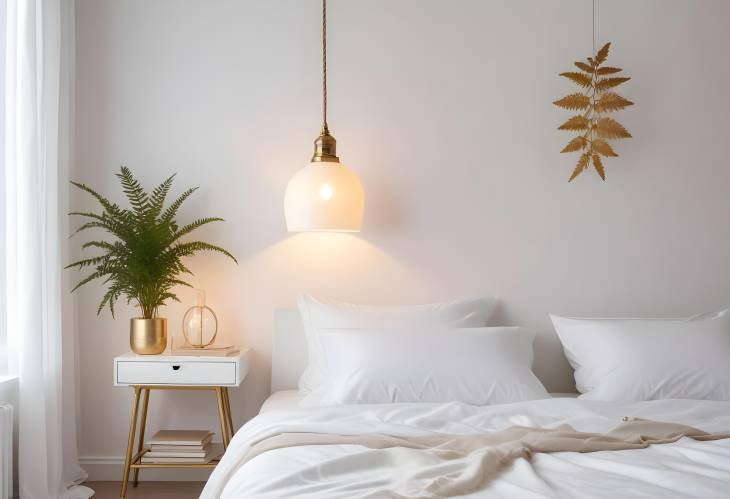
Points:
325	192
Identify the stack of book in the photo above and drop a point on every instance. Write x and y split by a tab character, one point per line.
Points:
209	351
181	446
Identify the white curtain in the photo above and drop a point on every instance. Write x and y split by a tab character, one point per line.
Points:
39	83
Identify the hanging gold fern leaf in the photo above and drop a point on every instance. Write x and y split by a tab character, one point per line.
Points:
574	101
576	144
577	122
609	128
606	83
610	101
582	164
602	54
599	166
578	78
607	70
585	67
595	128
602	147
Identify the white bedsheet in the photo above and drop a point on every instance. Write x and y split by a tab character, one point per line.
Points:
683	469
282	400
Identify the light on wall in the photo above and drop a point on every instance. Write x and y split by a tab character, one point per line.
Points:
324	195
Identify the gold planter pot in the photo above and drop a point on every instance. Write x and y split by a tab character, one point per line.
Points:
148	336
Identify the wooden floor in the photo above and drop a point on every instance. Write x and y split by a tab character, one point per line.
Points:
148	490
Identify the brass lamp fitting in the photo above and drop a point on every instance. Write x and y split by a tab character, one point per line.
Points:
325	147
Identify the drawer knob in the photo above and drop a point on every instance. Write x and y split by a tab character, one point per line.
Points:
175	368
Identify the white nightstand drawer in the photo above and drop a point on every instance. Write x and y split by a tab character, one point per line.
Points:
181	370
176	373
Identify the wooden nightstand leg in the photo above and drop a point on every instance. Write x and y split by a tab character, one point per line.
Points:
130	442
231	431
222	415
142	424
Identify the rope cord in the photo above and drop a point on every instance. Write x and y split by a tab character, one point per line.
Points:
324	64
594	29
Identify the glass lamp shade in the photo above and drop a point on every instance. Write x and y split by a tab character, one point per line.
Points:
324	196
200	324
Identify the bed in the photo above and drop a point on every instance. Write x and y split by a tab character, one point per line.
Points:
685	468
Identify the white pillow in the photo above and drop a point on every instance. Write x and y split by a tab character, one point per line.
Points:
317	314
478	366
648	359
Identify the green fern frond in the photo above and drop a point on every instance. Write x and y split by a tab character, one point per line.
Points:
111	208
119	225
134	191
90	225
101	245
95	216
170	296
178	282
87	279
171	211
111	296
157	199
194	225
86	262
188	249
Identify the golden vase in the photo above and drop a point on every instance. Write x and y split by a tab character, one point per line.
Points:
148	336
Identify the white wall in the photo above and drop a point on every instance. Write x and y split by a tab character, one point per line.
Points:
444	110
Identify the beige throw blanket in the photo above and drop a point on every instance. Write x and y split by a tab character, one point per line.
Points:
496	450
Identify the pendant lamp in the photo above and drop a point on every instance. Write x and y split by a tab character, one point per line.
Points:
324	195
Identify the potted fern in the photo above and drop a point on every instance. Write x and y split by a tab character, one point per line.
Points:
143	260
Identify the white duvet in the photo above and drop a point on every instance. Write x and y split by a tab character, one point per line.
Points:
686	468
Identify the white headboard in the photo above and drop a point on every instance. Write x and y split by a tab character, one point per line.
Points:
289	351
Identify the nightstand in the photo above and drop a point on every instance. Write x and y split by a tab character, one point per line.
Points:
145	373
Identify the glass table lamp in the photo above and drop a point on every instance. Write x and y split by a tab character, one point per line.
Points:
200	324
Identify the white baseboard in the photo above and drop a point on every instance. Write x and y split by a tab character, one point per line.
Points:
112	469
